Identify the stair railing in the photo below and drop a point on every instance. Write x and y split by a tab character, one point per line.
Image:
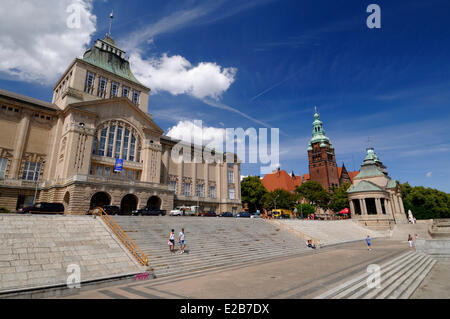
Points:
123	237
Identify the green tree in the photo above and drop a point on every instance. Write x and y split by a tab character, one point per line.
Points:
306	209
314	193
252	192
280	198
425	203
339	198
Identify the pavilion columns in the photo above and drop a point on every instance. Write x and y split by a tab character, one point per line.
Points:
362	203
352	208
378	206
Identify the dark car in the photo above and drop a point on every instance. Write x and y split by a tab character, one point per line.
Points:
208	214
109	209
43	208
148	211
244	215
226	214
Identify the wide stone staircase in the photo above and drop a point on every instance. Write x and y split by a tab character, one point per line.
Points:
399	278
331	232
211	242
36	250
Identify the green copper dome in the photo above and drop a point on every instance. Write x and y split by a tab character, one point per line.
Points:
318	134
107	56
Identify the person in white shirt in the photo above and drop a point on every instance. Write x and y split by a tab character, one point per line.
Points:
172	241
182	240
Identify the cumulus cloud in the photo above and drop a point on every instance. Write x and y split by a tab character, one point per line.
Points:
428	175
177	75
39	39
195	132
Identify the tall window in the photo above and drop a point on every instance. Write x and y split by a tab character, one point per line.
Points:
107	171
31	171
132	148
231	193
3	162
126	139
187	189
101	150
117	139
102	83
230	177
112	131
199	190
125	91
118	142
136	97
89	85
114	89
173	185
212	192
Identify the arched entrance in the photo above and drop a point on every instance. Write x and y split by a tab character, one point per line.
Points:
154	202
100	199
128	204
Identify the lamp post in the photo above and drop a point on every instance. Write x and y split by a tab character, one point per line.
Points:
37	182
275	201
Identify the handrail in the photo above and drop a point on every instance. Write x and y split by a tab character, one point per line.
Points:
129	244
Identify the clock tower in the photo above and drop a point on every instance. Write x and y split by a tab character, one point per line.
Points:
322	161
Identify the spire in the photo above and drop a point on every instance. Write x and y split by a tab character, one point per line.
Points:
111	17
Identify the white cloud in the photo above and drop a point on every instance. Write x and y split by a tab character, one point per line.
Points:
428	175
37	42
177	75
193	131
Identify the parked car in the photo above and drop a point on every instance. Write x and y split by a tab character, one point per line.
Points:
244	215
226	214
57	208
256	215
176	212
109	209
208	214
148	211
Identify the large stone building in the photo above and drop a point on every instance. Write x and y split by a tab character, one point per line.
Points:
66	151
376	199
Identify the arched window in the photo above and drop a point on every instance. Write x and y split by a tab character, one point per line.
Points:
117	139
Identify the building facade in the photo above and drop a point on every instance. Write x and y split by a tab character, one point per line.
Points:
376	199
66	151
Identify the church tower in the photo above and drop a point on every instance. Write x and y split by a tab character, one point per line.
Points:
322	161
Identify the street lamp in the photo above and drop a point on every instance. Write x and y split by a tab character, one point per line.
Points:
275	201
37	182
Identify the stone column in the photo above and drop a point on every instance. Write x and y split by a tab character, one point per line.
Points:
378	206
19	146
362	203
352	208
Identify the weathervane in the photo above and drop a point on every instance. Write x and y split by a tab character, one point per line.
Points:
369	142
315	109
111	17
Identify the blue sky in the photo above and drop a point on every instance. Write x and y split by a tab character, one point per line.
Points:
284	58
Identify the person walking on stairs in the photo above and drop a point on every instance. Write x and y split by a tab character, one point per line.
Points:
369	244
172	241
182	241
410	241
